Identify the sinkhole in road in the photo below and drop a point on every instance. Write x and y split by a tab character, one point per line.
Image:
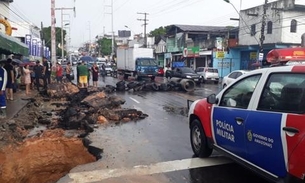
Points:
43	159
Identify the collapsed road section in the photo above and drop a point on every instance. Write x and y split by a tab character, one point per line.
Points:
47	138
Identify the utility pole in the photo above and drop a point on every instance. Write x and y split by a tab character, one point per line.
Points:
62	29
262	38
145	24
112	31
53	32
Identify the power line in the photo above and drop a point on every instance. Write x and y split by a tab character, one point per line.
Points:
20	12
165	9
167	5
19	15
121	5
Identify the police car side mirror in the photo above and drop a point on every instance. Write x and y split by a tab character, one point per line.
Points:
212	99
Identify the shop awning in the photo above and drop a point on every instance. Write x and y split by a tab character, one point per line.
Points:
11	45
286	54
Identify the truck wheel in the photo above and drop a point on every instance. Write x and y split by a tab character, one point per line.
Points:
126	76
199	140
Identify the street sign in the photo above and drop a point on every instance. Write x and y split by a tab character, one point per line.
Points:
261	56
220	54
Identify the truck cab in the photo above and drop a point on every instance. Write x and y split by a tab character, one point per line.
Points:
146	67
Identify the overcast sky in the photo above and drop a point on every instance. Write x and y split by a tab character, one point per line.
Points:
93	16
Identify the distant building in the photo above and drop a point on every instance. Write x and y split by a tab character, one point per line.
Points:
9	45
284	23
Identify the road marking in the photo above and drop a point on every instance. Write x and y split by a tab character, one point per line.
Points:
134	100
141	170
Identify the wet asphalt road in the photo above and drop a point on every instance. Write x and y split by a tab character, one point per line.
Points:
156	149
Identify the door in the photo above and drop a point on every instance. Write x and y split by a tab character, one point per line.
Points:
275	129
230	116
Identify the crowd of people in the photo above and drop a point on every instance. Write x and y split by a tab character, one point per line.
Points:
12	75
39	76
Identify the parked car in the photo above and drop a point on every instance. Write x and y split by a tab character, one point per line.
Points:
208	74
184	72
231	77
108	69
258	121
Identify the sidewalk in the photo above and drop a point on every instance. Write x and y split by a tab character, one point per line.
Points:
19	102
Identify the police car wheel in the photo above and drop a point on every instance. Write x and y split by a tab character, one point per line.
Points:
199	140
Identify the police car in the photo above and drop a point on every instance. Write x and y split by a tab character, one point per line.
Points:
258	121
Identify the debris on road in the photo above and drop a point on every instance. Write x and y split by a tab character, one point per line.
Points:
173	84
47	137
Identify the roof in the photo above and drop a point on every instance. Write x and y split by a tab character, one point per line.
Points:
201	28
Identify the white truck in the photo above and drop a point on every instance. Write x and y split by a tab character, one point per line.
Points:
137	62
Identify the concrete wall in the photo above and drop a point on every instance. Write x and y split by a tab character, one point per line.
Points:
287	36
228	64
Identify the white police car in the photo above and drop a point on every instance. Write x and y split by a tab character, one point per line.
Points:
258	121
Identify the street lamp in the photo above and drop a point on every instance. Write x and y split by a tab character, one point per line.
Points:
241	18
130	29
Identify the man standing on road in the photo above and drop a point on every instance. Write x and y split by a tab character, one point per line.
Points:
83	75
3	81
47	66
68	72
38	70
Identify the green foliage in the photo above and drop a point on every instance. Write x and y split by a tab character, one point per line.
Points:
47	37
161	31
105	46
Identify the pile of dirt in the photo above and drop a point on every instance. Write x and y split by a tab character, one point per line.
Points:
35	145
43	158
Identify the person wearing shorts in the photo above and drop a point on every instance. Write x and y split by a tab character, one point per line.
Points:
3	81
83	75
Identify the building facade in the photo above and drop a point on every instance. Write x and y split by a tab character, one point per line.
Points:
284	28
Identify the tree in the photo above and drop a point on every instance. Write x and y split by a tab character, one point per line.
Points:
105	45
161	31
47	37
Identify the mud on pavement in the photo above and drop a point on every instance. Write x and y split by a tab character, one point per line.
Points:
47	138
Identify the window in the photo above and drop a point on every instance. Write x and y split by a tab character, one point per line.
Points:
239	95
293	26
238	74
212	70
284	92
199	69
269	27
233	75
253	30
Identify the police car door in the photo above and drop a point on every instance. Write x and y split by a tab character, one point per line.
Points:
267	128
230	115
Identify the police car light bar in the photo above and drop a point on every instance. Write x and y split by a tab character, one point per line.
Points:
285	55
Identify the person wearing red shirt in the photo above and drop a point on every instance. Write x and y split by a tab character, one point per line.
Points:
59	72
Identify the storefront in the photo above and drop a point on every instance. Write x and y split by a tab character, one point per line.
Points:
10	45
